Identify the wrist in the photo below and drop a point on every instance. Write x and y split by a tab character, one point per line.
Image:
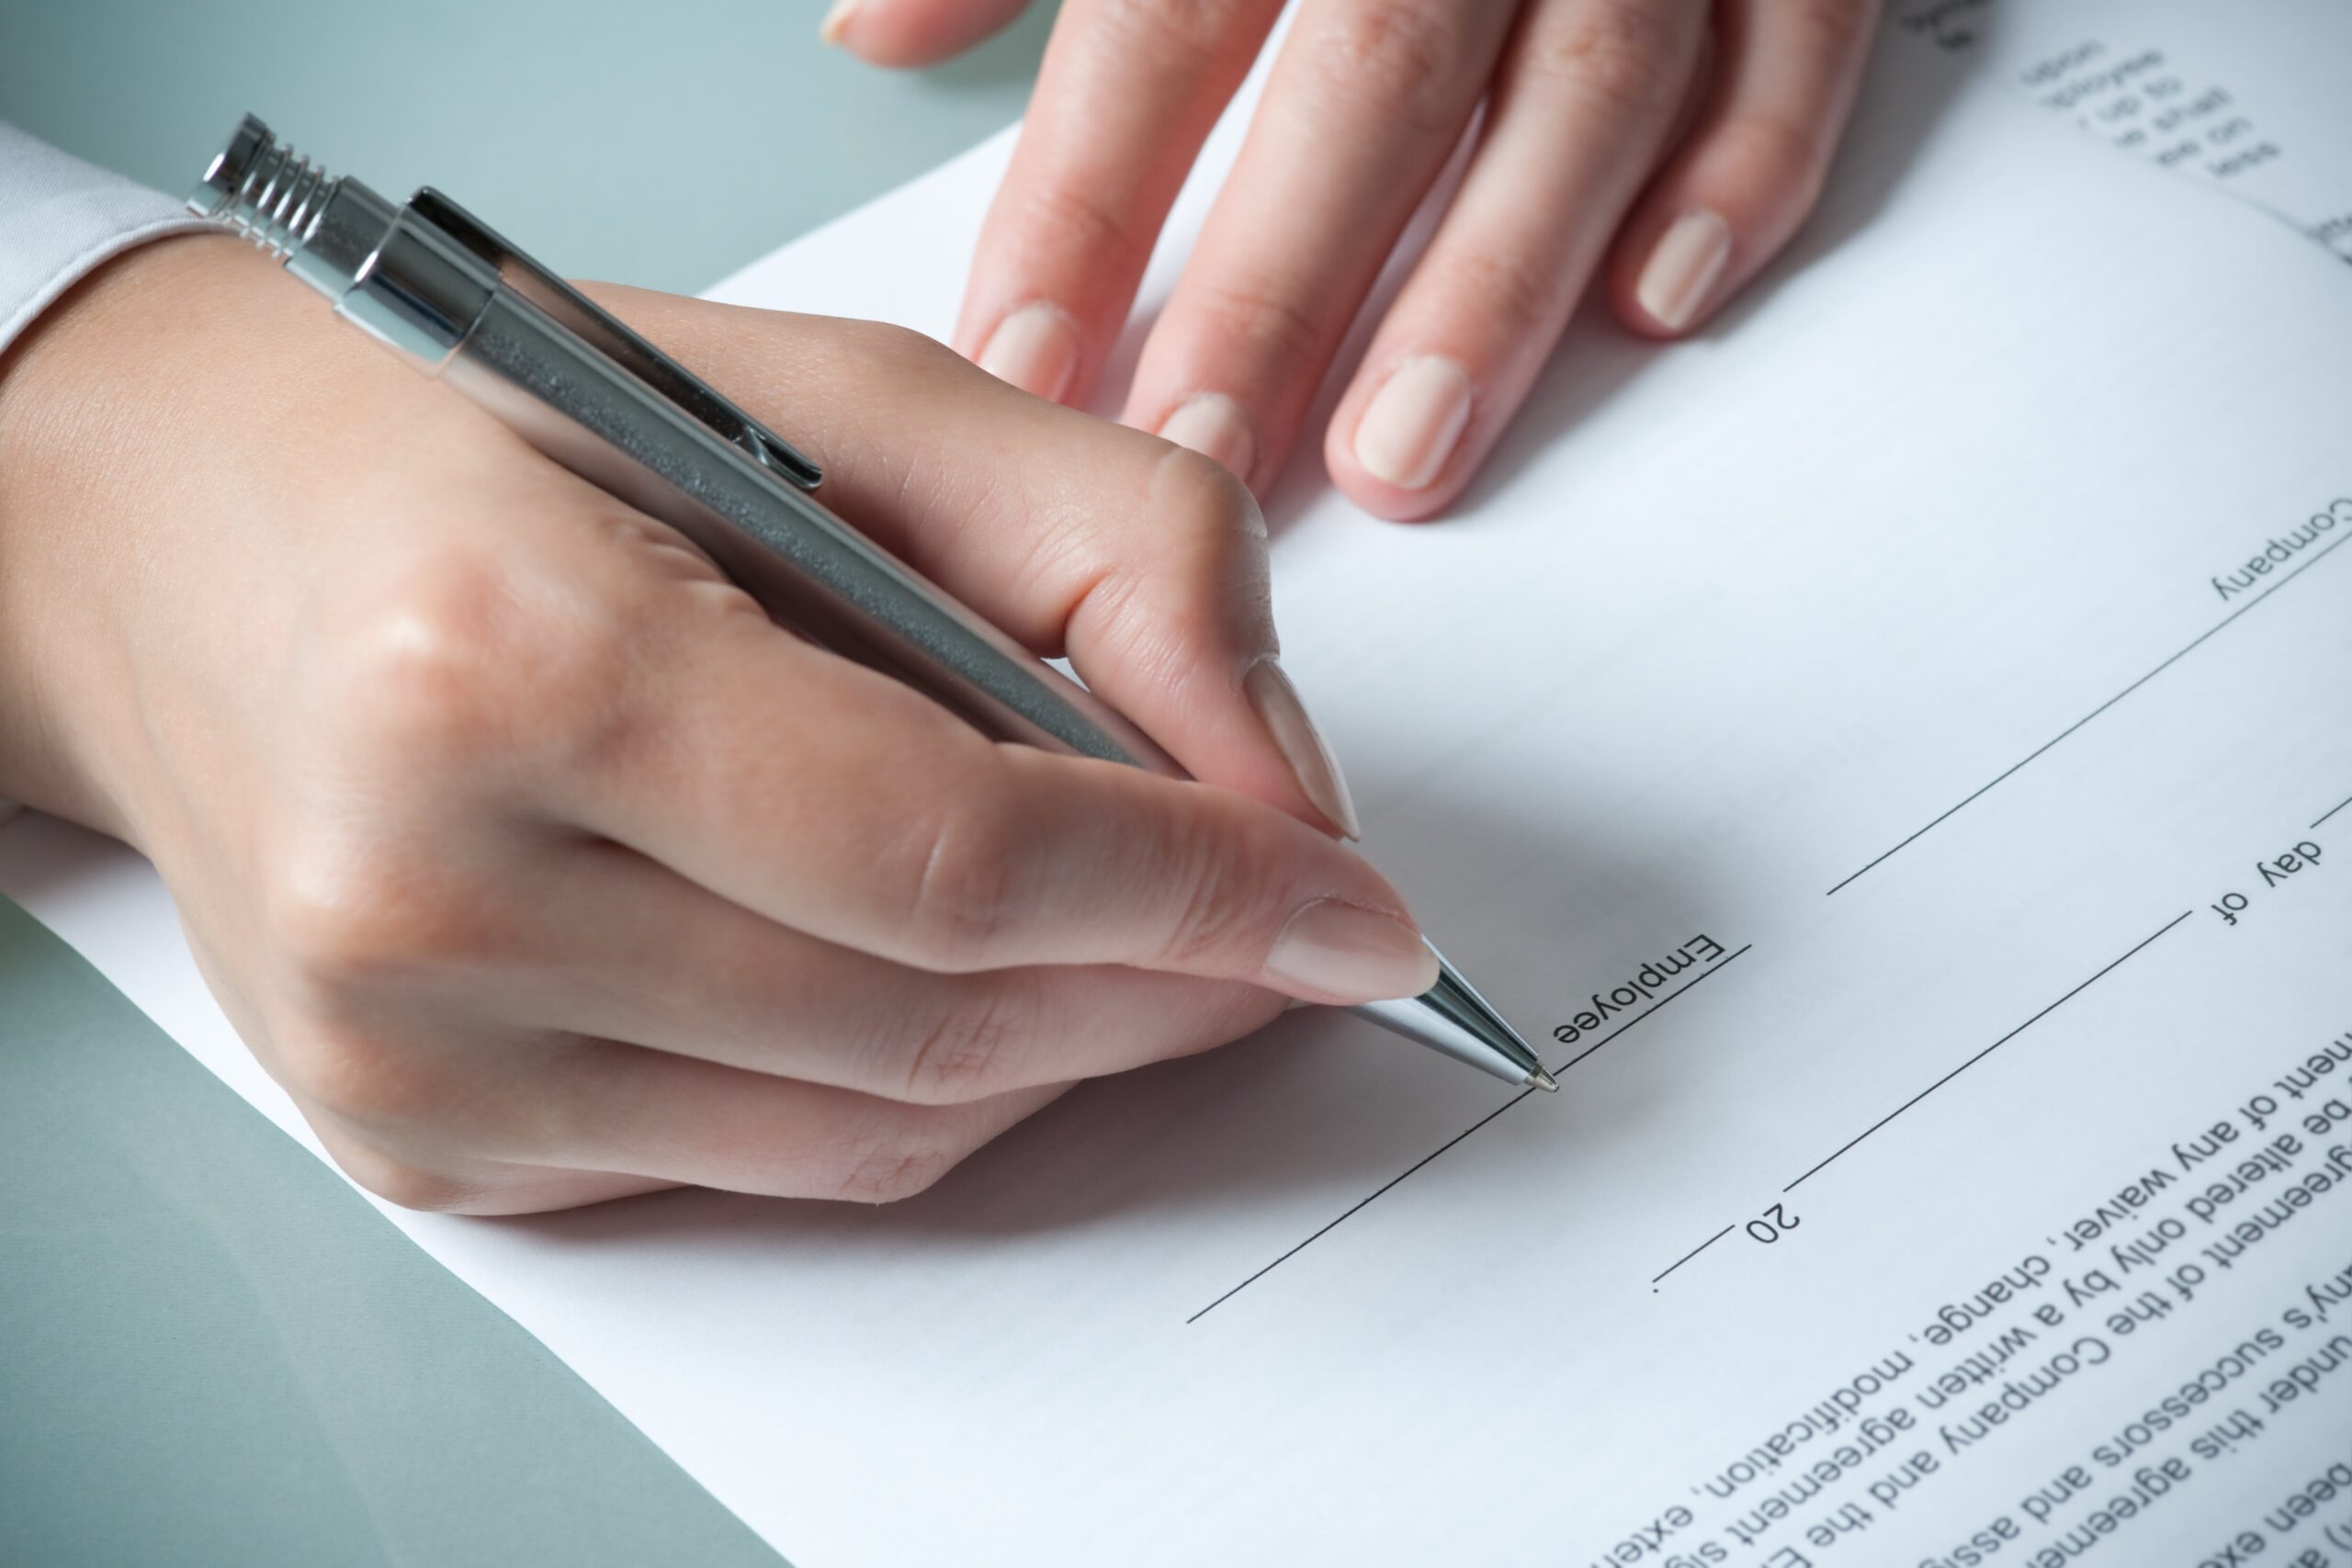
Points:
84	394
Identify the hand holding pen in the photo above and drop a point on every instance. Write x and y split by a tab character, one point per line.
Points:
535	861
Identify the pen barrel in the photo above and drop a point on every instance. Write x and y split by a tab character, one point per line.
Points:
437	288
811	570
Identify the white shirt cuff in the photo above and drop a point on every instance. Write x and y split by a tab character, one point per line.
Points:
60	218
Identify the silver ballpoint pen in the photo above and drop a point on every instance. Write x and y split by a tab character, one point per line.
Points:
445	293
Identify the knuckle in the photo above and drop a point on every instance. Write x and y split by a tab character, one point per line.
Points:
1180	39
1833	27
360	1079
1263	325
1219	574
1625	59
1150	621
343	911
1201	500
1223	903
1405	58
471	659
968	1051
405	1185
1516	292
1084	218
966	891
1187	582
902	351
1764	154
885	1170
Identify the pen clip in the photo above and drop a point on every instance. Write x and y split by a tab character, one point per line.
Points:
599	328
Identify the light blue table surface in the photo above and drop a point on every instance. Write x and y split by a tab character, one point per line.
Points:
211	1352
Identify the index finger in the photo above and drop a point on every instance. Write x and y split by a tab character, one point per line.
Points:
1145	564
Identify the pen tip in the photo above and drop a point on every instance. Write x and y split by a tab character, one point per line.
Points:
1543	1081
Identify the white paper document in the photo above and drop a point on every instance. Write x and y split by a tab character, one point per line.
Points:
1890	751
2248	99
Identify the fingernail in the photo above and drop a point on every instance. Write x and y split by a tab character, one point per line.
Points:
1683	267
836	21
1301	744
1410	428
1036	348
1350	952
1214	425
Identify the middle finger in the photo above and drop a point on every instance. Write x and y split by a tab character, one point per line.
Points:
1367	99
621	948
1125	96
1587	95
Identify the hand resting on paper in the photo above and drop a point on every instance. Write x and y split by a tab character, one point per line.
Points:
535	863
1668	147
